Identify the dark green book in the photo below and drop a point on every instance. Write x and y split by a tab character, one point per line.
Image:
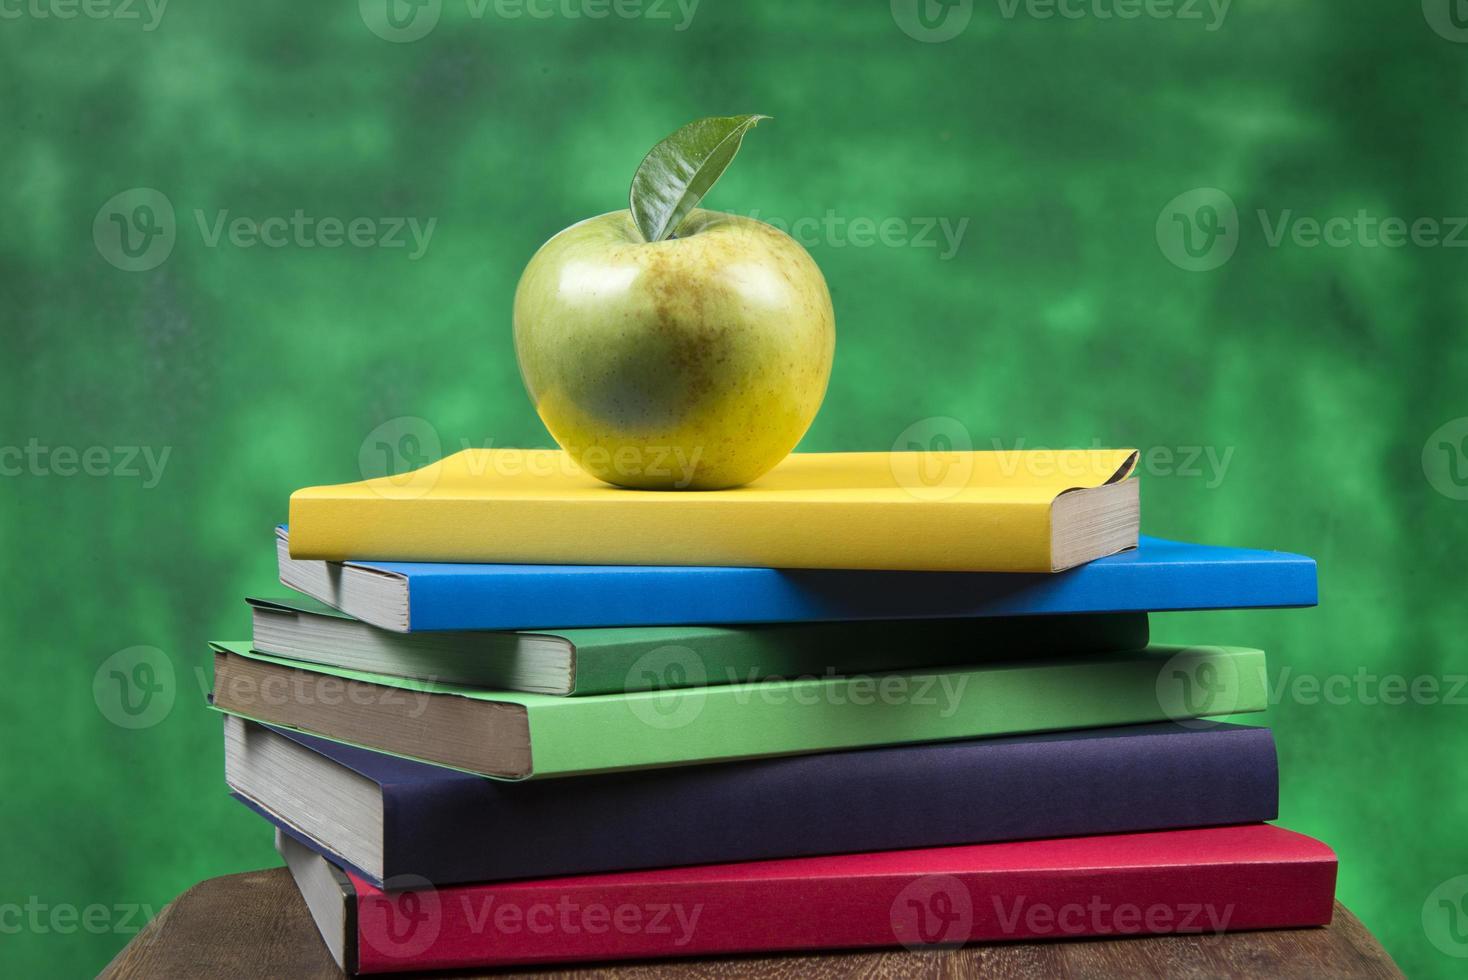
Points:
653	658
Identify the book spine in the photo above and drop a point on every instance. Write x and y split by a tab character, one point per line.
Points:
1196	585
708	724
1154	777
602	918
550	597
565	597
622	661
915	535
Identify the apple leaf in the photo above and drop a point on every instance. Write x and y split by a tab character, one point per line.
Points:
679	171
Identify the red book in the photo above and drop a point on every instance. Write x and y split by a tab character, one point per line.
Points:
1181	881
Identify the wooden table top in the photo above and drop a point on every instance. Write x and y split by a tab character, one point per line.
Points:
256	925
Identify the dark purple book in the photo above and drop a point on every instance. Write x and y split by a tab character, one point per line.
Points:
403	823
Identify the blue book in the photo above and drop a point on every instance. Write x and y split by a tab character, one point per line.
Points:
388	818
1155	577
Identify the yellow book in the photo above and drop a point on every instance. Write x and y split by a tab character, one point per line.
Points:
1029	511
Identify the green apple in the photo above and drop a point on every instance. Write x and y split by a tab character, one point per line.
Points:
694	362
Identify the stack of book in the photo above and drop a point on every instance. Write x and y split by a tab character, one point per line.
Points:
517	716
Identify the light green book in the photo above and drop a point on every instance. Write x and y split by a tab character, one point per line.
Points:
520	736
581	662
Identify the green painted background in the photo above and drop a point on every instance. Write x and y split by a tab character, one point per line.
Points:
1319	373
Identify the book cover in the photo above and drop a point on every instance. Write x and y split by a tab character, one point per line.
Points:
517	736
1186	882
588	661
1157	576
1102	781
992	512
